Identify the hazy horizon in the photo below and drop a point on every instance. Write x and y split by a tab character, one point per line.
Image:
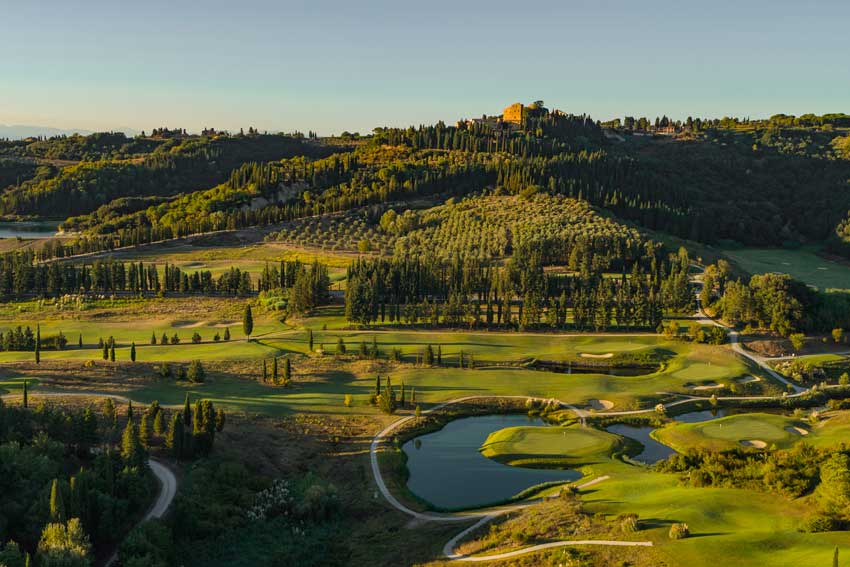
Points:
329	66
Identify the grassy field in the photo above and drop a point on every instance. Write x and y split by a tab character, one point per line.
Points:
730	432
549	447
730	526
802	264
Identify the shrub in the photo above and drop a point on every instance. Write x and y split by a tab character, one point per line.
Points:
629	523
196	372
818	523
679	531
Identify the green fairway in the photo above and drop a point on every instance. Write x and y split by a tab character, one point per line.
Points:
530	446
751	429
738	527
802	264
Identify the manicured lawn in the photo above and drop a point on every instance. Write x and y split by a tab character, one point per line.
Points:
549	446
728	526
729	432
802	264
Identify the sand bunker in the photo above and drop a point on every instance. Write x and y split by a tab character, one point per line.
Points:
708	386
188	324
591	355
748	379
601	404
796	430
755	443
223	324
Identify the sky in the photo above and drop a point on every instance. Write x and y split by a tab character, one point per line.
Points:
335	65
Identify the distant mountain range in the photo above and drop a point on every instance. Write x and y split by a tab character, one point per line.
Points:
19	131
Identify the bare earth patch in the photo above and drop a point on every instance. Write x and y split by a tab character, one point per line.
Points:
754	443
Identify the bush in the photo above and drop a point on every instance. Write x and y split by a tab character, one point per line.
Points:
148	544
818	523
196	372
679	531
629	523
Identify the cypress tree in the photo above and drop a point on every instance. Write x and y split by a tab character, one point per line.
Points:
287	370
130	410
265	372
131	450
57	505
227	333
835	557
132	352
112	352
460	360
413	396
153	338
105	351
164	339
401	401
81	340
187	411
247	321
144	431
375	352
274	370
26	395
439	355
38	344
340	346
378	385
157	424
310	339
174	437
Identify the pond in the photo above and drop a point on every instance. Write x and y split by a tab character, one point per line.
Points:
447	470
653	451
26	229
573	368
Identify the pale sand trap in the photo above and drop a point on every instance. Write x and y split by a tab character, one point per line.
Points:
748	379
797	430
755	443
590	355
708	386
601	404
224	324
188	325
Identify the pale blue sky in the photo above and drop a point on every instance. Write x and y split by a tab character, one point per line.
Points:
333	65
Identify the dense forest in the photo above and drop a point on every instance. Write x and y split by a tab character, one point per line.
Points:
67	488
173	166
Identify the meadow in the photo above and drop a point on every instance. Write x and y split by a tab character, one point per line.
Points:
803	264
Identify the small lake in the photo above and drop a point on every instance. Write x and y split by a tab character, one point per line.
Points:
26	229
447	470
653	451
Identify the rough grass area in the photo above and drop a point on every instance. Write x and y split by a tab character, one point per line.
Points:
802	264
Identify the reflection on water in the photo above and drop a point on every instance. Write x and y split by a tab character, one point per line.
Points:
447	469
28	229
653	451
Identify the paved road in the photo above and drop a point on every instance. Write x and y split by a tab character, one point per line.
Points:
736	346
166	478
483	516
